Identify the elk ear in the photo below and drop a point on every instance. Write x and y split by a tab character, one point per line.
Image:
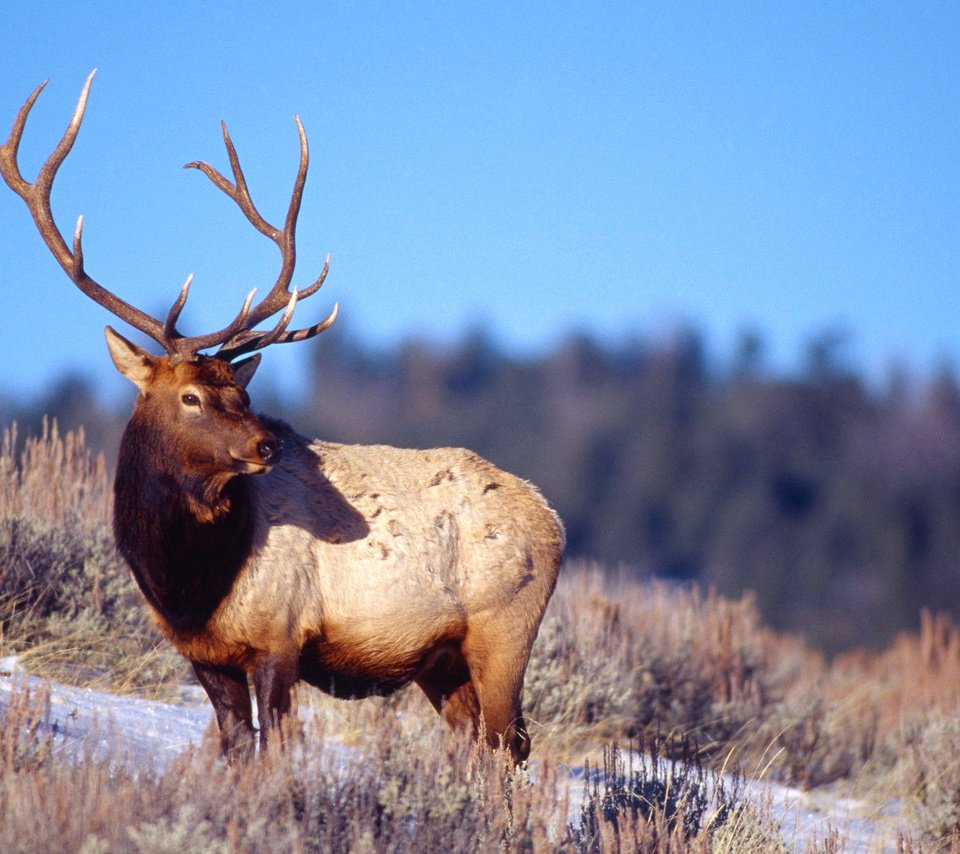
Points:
135	363
243	371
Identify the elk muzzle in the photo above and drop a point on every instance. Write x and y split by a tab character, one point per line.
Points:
259	454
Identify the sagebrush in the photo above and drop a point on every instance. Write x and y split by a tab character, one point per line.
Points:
695	676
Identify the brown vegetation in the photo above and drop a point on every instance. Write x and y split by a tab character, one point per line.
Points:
67	603
691	674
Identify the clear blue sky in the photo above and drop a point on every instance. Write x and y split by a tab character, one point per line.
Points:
531	167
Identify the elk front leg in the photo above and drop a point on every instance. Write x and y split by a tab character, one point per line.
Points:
229	693
273	680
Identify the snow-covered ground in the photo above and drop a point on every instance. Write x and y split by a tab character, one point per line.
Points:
130	729
94	723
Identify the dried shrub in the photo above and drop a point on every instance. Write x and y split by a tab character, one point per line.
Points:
68	606
930	769
629	659
643	802
396	795
54	479
859	715
58	572
25	743
619	659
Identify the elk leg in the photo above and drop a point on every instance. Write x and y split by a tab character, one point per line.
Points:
273	680
497	673
487	688
230	695
445	679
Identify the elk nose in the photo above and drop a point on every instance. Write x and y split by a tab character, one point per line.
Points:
269	450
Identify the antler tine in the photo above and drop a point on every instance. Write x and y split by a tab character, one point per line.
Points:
184	347
77	269
262	339
284	321
247	342
170	326
288	248
10	149
237	191
37	198
309	331
310	290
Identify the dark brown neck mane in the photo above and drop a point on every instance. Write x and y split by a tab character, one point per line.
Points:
184	541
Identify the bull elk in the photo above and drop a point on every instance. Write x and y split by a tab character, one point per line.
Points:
268	557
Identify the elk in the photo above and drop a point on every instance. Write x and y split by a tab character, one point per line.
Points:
269	558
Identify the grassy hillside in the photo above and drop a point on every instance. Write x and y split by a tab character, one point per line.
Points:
689	674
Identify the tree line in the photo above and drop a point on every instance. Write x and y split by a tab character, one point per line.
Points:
837	502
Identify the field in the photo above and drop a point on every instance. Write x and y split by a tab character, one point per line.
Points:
692	678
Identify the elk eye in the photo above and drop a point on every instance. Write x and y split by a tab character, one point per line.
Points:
190	400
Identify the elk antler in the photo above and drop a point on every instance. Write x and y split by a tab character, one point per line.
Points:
280	297
37	197
236	338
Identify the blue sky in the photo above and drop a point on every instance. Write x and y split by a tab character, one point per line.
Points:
532	168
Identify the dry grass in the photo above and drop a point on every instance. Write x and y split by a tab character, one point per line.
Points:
693	675
68	606
54	479
618	658
402	790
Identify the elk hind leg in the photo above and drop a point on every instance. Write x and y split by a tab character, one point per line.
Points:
445	679
497	667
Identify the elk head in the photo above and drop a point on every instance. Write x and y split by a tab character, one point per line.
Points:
198	402
202	408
